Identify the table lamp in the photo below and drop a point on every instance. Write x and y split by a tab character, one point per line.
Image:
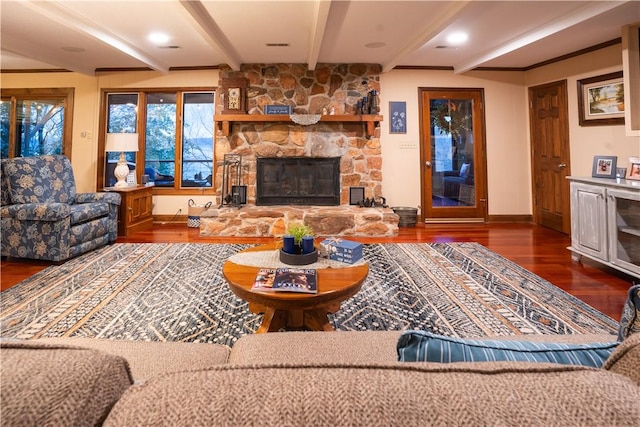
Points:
121	143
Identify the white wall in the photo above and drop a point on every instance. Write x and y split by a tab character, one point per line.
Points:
508	174
506	113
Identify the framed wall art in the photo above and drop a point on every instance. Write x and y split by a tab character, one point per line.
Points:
234	94
633	168
604	167
398	113
601	100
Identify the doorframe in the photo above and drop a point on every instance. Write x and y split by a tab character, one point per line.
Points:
481	189
534	146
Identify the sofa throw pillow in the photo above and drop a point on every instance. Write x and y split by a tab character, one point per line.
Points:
421	346
630	318
464	169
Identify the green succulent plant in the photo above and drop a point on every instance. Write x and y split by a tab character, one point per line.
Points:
298	231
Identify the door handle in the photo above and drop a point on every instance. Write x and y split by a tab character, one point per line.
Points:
427	164
562	165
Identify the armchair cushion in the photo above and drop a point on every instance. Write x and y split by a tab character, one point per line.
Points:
40	179
111	198
37	211
87	211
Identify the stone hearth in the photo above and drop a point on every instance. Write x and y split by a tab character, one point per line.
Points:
267	221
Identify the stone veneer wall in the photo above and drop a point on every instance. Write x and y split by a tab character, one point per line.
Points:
337	86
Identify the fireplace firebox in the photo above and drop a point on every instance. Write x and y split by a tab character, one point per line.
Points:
298	181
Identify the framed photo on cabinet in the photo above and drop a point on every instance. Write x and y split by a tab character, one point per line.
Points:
604	167
633	169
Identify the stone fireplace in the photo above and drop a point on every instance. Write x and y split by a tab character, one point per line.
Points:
322	200
298	181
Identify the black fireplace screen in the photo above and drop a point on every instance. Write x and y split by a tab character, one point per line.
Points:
298	181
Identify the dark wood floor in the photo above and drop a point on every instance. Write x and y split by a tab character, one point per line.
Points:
538	249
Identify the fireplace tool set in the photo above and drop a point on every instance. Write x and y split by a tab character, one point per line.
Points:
233	194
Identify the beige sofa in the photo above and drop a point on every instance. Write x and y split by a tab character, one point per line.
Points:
304	378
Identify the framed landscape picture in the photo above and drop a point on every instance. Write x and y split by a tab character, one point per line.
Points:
604	167
601	100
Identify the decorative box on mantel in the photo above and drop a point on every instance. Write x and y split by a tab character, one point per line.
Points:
341	250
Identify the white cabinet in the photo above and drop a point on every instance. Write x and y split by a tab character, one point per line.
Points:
624	228
605	222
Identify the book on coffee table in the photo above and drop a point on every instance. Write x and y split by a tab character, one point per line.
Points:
303	280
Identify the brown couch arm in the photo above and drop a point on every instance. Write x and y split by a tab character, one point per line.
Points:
625	360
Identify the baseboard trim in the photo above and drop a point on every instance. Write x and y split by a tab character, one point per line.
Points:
170	219
182	219
510	218
452	220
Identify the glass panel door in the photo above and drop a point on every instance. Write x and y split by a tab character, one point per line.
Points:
453	166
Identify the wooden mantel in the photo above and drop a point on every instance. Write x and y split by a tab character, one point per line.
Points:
225	120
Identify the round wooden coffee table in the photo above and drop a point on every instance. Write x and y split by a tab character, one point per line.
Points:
290	310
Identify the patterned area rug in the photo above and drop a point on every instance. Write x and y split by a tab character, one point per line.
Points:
176	292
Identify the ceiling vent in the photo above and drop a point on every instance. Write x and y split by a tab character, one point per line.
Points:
277	44
168	47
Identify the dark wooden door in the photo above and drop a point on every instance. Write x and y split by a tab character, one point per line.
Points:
453	161
549	126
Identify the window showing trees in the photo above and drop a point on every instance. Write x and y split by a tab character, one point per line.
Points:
35	122
122	117
197	137
178	134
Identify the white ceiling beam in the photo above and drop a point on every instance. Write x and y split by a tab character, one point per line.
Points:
319	25
432	29
583	13
69	18
211	32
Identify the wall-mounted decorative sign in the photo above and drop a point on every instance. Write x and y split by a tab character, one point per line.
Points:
277	109
601	100
398	113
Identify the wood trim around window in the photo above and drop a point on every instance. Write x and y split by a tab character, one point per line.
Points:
141	119
66	93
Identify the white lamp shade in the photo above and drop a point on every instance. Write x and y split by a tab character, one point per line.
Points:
121	142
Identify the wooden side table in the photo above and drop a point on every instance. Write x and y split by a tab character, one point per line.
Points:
135	213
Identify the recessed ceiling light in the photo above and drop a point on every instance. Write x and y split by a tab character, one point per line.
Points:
457	38
375	45
158	37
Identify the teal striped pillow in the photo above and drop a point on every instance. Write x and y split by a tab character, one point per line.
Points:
421	346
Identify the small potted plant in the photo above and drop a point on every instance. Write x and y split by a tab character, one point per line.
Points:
298	245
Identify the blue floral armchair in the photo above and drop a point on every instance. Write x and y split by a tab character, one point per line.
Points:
42	215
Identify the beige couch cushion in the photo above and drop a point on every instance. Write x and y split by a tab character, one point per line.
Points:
148	359
58	386
351	346
506	394
316	347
